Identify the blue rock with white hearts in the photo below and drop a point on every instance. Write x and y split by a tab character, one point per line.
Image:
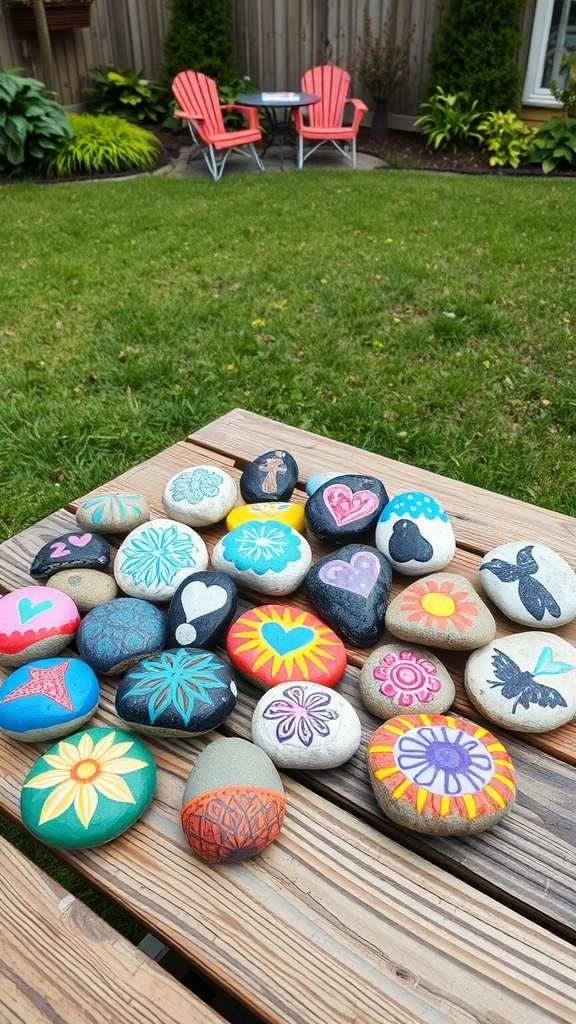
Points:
415	534
180	692
530	583
350	589
154	559
316	481
117	634
266	556
72	550
48	698
200	495
271	477
345	508
112	513
201	610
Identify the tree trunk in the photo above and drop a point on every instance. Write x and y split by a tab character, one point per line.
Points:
379	126
46	59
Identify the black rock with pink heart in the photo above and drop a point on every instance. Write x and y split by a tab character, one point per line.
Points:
345	508
73	550
350	589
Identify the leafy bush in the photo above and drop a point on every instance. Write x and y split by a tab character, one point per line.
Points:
31	124
506	138
126	94
380	64
567	94
102	145
554	143
452	120
200	38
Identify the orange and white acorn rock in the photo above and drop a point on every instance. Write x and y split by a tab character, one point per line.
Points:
441	610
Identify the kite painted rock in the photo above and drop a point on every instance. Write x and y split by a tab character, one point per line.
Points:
48	698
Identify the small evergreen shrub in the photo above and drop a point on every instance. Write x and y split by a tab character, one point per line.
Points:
451	120
31	124
200	38
506	138
126	94
102	145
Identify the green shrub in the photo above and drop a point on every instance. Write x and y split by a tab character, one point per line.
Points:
102	145
506	138
200	38
126	94
567	94
554	143
452	120
31	124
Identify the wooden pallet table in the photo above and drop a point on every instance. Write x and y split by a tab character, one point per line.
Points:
345	917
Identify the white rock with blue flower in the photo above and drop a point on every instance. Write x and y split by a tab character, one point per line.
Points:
415	534
267	556
200	495
156	557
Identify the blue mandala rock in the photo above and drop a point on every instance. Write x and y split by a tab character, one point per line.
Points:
155	558
267	556
115	635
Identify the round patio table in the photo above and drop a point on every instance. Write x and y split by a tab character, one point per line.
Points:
272	102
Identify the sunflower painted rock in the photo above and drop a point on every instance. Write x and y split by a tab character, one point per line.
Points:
35	622
440	775
233	804
442	610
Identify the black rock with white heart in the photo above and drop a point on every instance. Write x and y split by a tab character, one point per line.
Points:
71	551
530	583
201	610
350	589
345	508
271	477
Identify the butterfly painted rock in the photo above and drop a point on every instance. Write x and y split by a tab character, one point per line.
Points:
345	508
530	583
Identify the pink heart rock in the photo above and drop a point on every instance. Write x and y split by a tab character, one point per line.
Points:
345	508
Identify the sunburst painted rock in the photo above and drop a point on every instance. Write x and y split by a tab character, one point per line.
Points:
266	556
48	698
155	558
441	610
277	643
117	634
71	551
88	789
530	583
233	805
112	513
439	774
87	587
400	678
415	534
270	477
345	508
303	725
200	495
35	622
286	512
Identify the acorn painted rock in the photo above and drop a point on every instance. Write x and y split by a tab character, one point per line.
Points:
400	677
303	725
201	610
88	789
87	587
48	698
530	583
286	512
115	635
35	622
440	775
265	556
415	534
345	508
112	513
233	805
200	495
442	610
277	643
271	477
155	558
71	551
181	692
350	589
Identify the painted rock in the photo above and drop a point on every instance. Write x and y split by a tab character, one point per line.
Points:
530	583
285	512
35	622
271	477
233	805
87	587
155	558
88	789
117	634
200	495
350	590
439	774
182	692
276	643
399	677
303	725
345	508
112	513
442	610
415	533
266	556
525	682
316	481
71	551
48	698
201	610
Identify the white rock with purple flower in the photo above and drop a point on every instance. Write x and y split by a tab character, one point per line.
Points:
266	556
304	725
399	678
200	495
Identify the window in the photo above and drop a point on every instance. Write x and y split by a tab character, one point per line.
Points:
553	33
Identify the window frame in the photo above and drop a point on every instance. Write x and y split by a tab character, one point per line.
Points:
534	94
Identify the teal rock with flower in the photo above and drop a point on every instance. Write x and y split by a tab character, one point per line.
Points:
200	495
267	556
113	513
155	558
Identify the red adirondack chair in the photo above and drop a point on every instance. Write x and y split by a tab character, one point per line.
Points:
197	97
324	119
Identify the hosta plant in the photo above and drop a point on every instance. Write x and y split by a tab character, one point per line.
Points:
102	145
451	120
125	93
506	138
554	143
31	124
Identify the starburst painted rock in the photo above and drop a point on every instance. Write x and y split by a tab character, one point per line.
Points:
233	805
303	725
201	610
285	512
48	698
72	550
345	508
350	589
87	587
35	622
155	558
442	610
112	513
399	678
271	477
181	692
415	534
117	634
530	583
200	495
266	556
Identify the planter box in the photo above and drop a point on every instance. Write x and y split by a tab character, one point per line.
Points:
58	16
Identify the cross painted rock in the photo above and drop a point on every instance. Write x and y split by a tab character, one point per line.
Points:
200	495
399	677
265	556
87	587
415	533
285	512
201	610
88	789
112	513
345	508
440	775
303	725
316	481
271	477
525	682
350	590
48	698
530	583
155	558
115	635
277	643
442	610
73	550
233	805
181	692
35	622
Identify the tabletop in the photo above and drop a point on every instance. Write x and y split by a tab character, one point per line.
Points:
345	917
278	99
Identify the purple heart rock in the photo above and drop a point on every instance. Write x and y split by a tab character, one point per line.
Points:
350	589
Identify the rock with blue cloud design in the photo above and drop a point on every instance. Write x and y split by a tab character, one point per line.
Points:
415	534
